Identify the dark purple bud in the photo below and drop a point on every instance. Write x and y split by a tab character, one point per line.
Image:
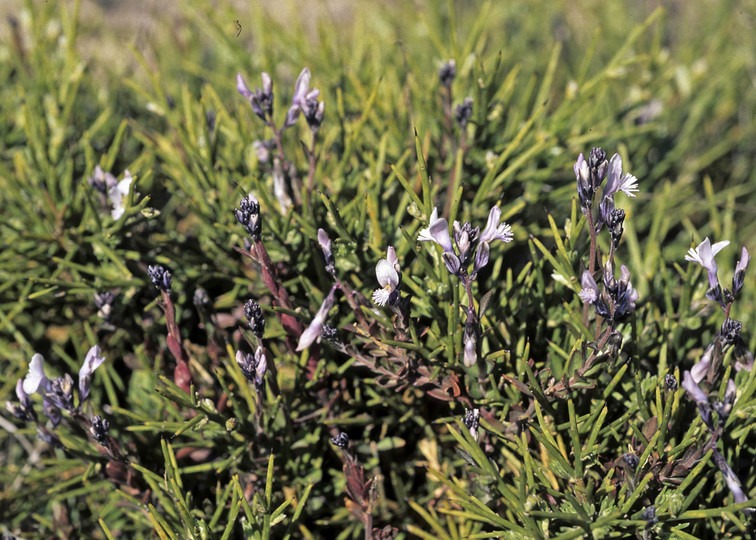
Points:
472	422
730	333
598	166
99	429
463	112
447	73
160	277
341	440
631	460
253	366
670	382
248	214
615	224
254	315
649	516
329	333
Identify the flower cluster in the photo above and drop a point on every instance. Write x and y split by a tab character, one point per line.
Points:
304	100
254	315
57	394
470	242
248	214
590	175
708	369
617	300
117	192
253	366
160	277
704	255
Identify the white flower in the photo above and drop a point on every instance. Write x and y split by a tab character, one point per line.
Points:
494	230
388	273
36	380
118	194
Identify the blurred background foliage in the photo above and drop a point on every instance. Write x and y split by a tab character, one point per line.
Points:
151	89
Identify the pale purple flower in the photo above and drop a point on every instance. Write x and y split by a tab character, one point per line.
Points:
495	230
699	396
389	276
700	368
304	100
704	255
732	481
616	181
312	332
261	100
438	232
740	270
590	292
93	360
325	246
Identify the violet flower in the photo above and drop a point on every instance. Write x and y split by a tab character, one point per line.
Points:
468	240
740	270
616	181
389	275
312	332
261	100
306	101
590	292
438	232
699	396
93	360
704	255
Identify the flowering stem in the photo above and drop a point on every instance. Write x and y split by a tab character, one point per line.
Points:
313	162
